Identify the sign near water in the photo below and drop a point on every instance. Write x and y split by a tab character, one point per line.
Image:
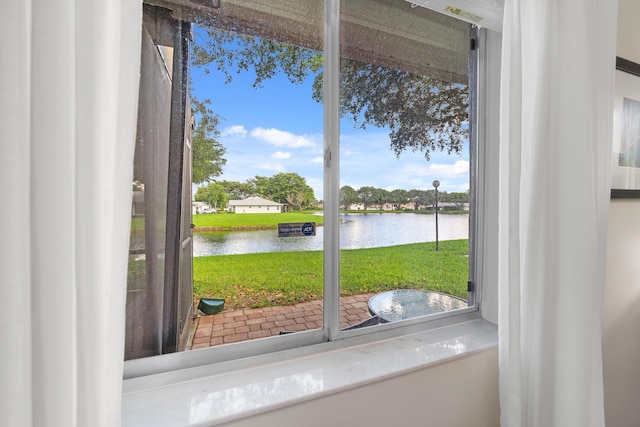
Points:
291	229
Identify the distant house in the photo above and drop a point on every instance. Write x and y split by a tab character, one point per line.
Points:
254	205
448	206
201	207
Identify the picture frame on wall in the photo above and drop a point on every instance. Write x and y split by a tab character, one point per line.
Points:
625	159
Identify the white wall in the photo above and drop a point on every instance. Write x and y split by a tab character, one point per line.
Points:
459	393
246	209
621	310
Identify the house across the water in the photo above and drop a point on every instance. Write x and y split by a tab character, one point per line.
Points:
254	205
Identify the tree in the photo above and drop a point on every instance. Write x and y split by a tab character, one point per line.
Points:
430	197
212	194
459	199
399	197
281	185
207	152
297	199
228	50
424	198
238	190
419	197
366	195
422	113
381	196
348	196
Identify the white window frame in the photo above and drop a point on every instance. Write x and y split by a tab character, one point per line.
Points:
484	167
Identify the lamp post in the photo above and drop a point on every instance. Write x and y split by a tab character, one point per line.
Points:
436	184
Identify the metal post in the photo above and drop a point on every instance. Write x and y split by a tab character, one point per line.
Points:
436	184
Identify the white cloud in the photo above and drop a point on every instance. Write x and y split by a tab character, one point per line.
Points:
314	181
318	187
271	167
237	130
439	170
459	168
318	160
281	155
281	138
450	186
461	188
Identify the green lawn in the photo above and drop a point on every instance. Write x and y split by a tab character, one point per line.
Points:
284	278
266	220
230	221
137	223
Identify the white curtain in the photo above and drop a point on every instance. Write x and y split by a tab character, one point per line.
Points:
68	97
556	127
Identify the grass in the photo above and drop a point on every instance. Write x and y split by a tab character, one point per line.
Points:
226	221
285	278
137	223
230	221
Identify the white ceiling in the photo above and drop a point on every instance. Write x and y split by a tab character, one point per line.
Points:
483	13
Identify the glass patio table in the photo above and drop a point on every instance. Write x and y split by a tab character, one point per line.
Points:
402	304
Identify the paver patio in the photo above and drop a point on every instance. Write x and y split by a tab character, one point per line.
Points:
247	324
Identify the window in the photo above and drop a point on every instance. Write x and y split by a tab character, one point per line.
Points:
369	118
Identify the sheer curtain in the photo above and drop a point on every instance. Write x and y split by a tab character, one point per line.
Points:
556	126
67	128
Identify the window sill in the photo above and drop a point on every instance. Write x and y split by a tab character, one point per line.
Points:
194	398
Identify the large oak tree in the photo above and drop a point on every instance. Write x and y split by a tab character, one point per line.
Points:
422	113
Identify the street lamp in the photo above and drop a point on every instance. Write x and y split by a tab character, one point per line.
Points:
436	184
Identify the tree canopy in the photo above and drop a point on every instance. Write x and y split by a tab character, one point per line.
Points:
238	190
423	114
348	196
282	186
213	194
287	188
459	199
422	197
368	196
207	154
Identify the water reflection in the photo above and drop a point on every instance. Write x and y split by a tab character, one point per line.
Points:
356	231
402	304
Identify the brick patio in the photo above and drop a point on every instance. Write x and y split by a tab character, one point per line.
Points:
247	324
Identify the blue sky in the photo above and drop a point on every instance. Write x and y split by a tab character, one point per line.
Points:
278	128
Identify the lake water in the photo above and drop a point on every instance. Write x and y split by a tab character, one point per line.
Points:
356	231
